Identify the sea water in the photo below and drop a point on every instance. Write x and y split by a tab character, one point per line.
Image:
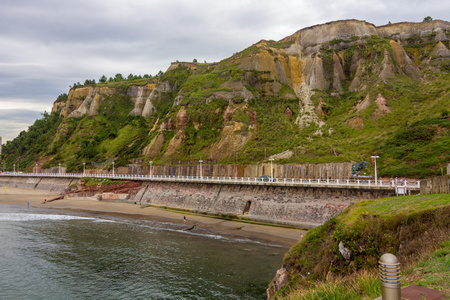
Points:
50	254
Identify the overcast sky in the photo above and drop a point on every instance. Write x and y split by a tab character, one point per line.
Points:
46	45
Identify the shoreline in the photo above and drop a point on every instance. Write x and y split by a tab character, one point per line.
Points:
281	236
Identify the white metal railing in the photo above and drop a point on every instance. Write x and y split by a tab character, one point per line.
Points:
242	180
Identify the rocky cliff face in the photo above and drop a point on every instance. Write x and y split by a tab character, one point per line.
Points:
299	64
87	100
321	61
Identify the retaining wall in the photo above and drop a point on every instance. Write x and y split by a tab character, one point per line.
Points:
19	182
57	185
301	206
305	207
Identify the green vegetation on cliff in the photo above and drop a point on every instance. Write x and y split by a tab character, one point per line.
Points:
30	145
346	100
410	227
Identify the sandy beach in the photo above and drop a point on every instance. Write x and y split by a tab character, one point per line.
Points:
36	198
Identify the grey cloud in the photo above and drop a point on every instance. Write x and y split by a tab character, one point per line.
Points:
12	122
22	115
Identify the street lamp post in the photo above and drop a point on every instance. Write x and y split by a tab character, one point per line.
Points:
200	161
271	169
59	169
35	168
84	168
14	168
375	158
113	168
151	168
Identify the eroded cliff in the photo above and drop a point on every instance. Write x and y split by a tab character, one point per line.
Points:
274	95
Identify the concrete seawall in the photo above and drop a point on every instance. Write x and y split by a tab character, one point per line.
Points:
304	206
298	206
57	185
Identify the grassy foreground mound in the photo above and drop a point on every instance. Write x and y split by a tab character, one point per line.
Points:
414	228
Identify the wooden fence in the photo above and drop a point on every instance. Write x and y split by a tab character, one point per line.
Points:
306	170
435	185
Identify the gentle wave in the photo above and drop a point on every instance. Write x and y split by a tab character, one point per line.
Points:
38	217
163	226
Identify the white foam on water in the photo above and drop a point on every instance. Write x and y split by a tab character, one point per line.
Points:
39	217
203	234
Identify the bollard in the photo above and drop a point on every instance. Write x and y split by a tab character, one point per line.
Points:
389	268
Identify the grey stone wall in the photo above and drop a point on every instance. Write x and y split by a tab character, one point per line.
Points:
57	185
298	206
19	182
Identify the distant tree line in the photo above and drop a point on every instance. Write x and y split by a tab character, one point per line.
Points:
62	97
30	144
117	78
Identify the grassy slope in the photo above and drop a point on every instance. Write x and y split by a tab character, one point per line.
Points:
432	271
411	227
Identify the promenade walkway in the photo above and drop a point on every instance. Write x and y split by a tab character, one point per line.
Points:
332	183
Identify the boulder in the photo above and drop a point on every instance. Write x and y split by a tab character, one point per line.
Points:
346	253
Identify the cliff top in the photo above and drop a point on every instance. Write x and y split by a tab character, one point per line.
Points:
345	29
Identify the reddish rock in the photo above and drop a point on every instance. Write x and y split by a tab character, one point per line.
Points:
181	119
228	114
254	117
288	113
321	108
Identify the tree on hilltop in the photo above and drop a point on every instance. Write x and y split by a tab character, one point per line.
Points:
89	82
118	77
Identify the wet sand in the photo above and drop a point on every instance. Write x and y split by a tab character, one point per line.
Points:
36	198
